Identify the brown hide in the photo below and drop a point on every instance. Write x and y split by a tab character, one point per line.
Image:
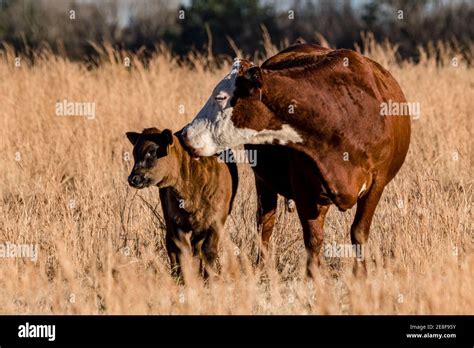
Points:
336	97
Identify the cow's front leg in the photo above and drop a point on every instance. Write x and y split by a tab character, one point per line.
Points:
366	206
312	221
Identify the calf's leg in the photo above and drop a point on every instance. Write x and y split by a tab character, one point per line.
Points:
173	255
209	253
266	210
178	242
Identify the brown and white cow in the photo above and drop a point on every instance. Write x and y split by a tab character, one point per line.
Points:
320	110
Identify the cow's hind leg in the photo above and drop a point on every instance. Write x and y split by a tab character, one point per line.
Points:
366	205
266	210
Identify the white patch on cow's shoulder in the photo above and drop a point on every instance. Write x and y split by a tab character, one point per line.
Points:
284	135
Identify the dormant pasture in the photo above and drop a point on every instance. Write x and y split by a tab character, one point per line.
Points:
63	190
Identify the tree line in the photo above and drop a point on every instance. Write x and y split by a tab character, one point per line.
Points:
221	27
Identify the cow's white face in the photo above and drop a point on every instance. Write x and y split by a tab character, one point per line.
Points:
212	130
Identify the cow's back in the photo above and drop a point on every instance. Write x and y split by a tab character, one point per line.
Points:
295	56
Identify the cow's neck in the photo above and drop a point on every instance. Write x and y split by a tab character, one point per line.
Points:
282	111
271	124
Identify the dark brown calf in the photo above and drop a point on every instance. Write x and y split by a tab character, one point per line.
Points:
196	196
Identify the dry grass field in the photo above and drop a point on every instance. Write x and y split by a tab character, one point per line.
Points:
63	187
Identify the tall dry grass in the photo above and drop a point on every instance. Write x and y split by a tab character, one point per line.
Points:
63	187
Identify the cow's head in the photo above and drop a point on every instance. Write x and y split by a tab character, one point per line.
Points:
154	164
233	114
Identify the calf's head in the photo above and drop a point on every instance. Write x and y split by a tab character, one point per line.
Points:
154	164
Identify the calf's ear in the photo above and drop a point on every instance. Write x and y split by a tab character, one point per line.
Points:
133	137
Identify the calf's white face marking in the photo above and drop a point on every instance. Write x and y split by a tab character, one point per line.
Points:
212	130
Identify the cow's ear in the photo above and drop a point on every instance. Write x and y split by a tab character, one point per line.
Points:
133	137
249	81
167	136
254	76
